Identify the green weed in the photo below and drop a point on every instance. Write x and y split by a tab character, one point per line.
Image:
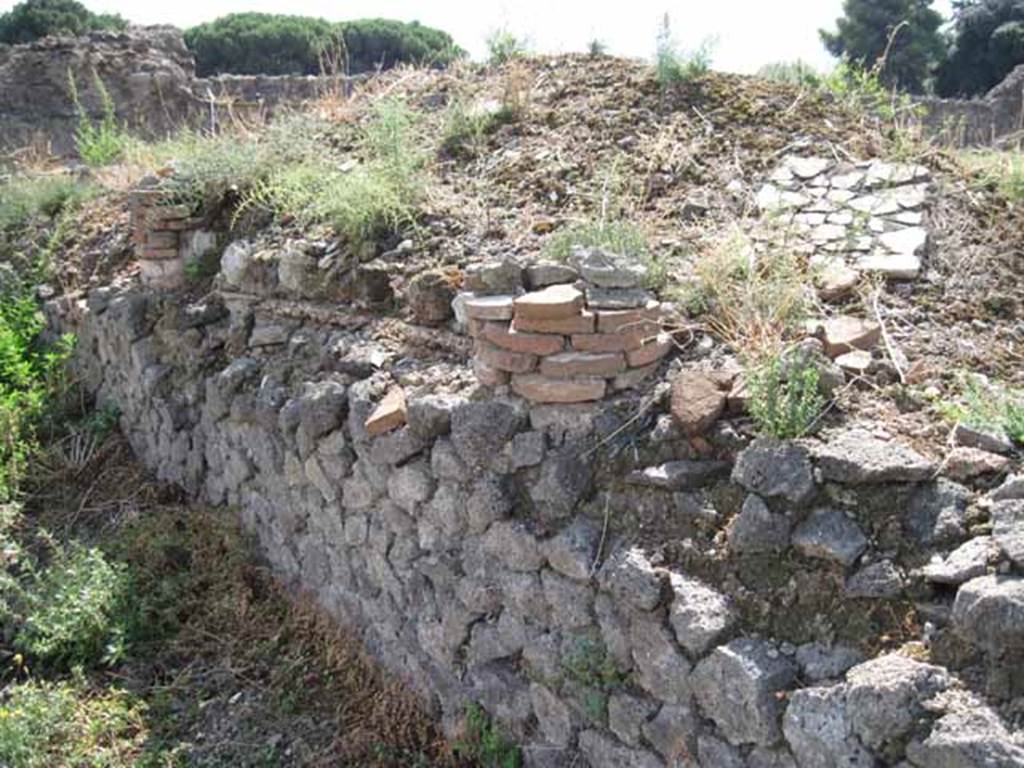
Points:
784	398
672	64
988	406
589	664
25	198
465	130
45	724
484	743
102	142
1002	170
503	46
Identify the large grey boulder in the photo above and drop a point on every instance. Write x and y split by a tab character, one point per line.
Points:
600	749
736	686
1008	528
968	735
661	669
770	467
819	732
479	430
937	512
628	576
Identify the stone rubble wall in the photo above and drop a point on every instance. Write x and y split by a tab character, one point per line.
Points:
997	117
488	548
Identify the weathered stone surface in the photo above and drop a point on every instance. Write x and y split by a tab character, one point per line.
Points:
884	696
488	502
504	359
936	513
844	334
966	562
622	341
430	295
963	463
896	266
972	437
1008	528
679	475
627	714
989	612
573	551
617	298
736	687
554	718
542	389
629	576
651	352
581	323
829	534
501	335
608	270
855	457
541	274
819	732
489	307
600	749
489	376
429	415
821	662
503	276
556	302
1012	488
836	280
527	449
568	600
564	480
717	753
908	240
770	467
389	414
511	543
661	669
881	580
699	615
672	731
567	365
633	377
968	735
479	430
696	401
641	320
856	363
756	529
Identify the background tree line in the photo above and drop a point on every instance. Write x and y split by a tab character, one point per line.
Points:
256	43
981	45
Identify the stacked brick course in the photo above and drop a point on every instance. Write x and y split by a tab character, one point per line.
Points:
564	343
160	231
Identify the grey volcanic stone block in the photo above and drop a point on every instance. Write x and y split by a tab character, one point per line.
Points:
856	457
829	534
770	467
989	612
699	615
736	686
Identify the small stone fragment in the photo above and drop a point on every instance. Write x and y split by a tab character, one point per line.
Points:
488	307
965	463
696	402
1008	528
556	302
389	414
770	467
844	334
964	563
756	529
829	534
699	615
629	576
651	352
684	474
881	580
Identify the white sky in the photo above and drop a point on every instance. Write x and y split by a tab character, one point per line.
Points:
746	33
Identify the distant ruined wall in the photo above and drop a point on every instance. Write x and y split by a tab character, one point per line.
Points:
150	76
978	122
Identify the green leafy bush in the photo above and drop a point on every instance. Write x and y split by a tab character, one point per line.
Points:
484	744
101	142
673	65
76	610
45	724
26	197
503	46
796	72
784	398
987	405
465	129
377	197
34	19
272	44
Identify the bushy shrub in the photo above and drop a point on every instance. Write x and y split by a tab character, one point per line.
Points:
503	46
796	72
987	405
673	65
45	724
784	398
261	43
27	197
75	611
33	19
484	744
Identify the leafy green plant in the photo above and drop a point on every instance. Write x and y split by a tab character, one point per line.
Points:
45	724
589	664
1002	170
484	743
796	72
76	610
503	46
466	129
987	405
597	47
102	142
783	393
375	198
673	65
